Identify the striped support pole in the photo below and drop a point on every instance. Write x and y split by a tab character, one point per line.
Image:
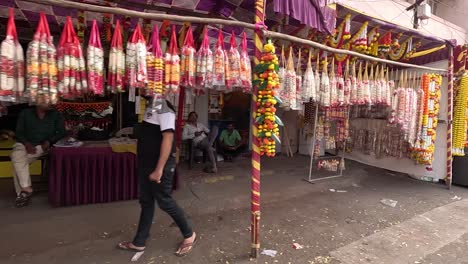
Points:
255	187
448	178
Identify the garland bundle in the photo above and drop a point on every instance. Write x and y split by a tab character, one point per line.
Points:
267	83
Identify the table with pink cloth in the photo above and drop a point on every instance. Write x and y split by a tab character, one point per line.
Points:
92	173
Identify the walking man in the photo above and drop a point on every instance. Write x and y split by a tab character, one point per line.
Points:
156	168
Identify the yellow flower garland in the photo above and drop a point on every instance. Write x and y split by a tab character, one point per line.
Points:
460	118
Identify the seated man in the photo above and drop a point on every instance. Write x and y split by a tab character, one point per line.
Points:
230	142
198	133
36	130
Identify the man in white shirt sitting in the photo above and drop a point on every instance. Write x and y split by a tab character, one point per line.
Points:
198	133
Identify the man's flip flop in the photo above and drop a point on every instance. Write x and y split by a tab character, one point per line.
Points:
185	246
127	246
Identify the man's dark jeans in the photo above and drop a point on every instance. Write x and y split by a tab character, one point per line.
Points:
151	192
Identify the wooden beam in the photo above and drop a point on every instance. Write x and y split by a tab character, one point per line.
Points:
271	34
316	45
133	13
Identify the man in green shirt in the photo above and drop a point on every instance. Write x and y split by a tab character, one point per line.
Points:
36	130
230	141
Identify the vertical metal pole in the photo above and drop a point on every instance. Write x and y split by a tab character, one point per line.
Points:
255	175
180	116
448	177
314	139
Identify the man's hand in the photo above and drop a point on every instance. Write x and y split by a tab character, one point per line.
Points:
156	175
198	133
30	149
45	146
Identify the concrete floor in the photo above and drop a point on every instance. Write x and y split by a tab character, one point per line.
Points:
426	226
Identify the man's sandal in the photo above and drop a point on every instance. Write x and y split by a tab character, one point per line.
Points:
128	246
185	248
23	199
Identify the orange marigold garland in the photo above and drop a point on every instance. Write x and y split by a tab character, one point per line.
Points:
267	83
431	93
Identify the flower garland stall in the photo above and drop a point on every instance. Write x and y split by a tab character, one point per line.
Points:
352	87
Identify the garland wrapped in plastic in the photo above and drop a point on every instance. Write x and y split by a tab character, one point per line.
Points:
72	80
95	59
204	74
267	83
460	118
290	84
155	65
172	65
11	64
116	72
233	74
136	74
220	64
308	86
41	82
245	67
187	61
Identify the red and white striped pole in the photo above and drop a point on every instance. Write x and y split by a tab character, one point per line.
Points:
255	187
448	177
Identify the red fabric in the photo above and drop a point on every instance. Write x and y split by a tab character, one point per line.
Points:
89	175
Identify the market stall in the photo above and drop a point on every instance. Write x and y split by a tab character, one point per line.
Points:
352	74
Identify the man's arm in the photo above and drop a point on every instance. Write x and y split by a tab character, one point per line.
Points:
187	133
238	139
167	125
221	138
166	148
205	129
59	130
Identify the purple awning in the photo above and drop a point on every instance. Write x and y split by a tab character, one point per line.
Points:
313	13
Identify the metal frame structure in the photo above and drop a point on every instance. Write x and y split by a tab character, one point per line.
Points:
312	150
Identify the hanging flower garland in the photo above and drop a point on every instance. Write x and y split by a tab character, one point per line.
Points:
11	64
245	67
342	33
318	83
72	80
172	65
308	85
233	76
398	51
155	66
359	40
372	42
299	101
187	61
333	86
204	75
116	72
431	88
136	74
267	83
220	63
95	61
289	99
460	118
